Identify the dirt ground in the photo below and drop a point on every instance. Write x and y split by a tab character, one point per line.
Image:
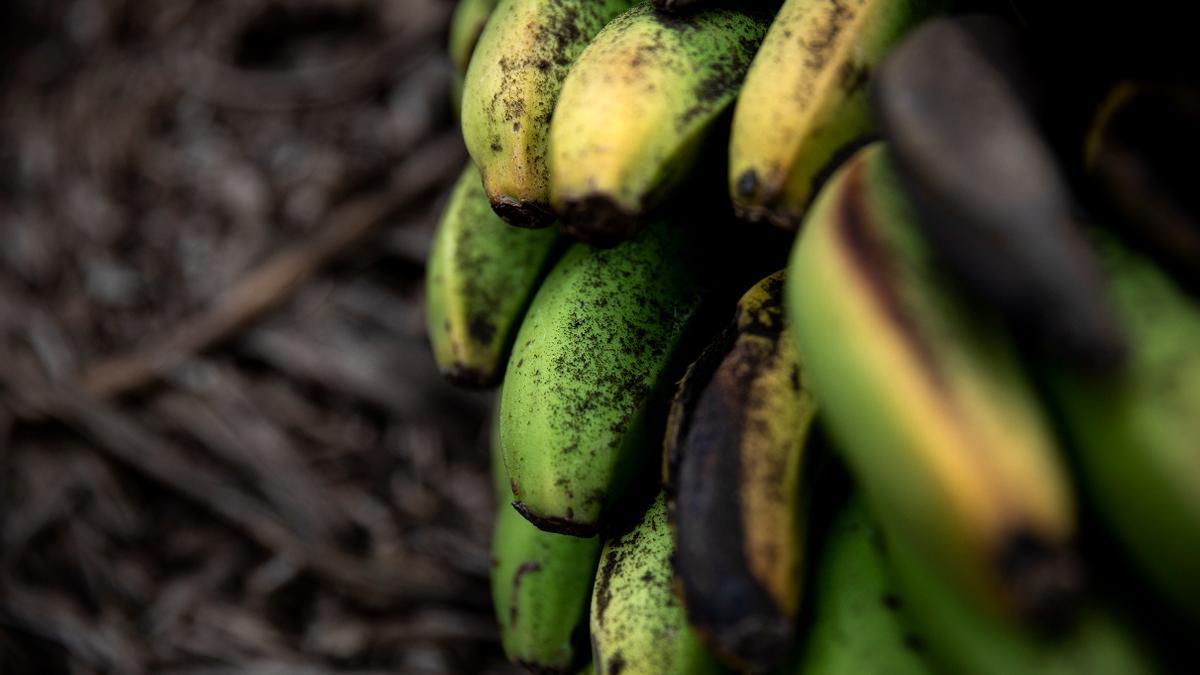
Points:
224	447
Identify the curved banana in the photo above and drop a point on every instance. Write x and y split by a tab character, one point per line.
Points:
961	639
638	626
955	101
735	451
804	102
857	628
481	276
541	586
928	399
635	108
1135	434
589	362
511	89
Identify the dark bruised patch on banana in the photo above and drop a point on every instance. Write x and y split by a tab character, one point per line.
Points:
747	184
1046	579
838	14
599	220
556	524
873	262
521	213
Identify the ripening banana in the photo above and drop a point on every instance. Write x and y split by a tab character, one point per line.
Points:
587	367
541	587
857	628
481	276
928	399
1136	156
804	102
511	89
956	102
1135	433
638	625
961	639
734	452
636	107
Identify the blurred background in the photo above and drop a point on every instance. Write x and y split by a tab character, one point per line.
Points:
224	447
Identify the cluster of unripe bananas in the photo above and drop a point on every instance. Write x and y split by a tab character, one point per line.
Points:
987	318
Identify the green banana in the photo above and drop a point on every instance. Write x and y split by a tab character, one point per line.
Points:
805	99
541	586
928	400
638	625
480	278
587	366
734	452
635	108
511	88
961	639
856	626
1135	433
465	27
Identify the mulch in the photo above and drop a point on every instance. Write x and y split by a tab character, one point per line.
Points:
224	446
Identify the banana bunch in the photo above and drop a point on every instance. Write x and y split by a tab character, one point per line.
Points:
955	433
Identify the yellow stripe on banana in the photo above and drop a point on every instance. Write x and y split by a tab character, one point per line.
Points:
928	400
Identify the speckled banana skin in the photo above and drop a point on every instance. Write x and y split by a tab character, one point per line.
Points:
587	365
511	89
929	400
634	111
638	625
481	276
805	100
735	451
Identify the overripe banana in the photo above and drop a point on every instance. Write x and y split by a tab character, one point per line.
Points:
511	89
588	364
541	587
1136	432
1137	154
636	107
804	103
638	625
928	401
734	451
956	102
961	639
856	625
481	276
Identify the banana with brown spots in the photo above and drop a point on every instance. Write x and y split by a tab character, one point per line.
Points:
735	451
481	275
638	625
589	371
511	89
635	109
805	102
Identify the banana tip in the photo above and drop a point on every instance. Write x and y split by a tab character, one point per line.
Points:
556	524
599	220
522	213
